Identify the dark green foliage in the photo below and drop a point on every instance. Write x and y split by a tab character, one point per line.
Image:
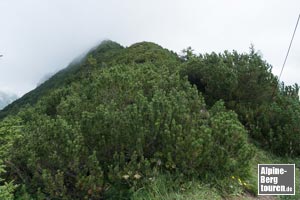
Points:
107	125
144	52
280	122
236	78
247	86
141	119
117	125
10	129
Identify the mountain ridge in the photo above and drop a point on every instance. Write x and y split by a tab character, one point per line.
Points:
59	78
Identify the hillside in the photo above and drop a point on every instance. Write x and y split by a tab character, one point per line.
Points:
123	120
105	51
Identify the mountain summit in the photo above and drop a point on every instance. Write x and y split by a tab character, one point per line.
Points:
106	54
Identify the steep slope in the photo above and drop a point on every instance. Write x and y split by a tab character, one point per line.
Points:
105	51
120	119
108	126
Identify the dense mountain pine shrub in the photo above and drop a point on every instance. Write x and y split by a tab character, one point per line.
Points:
269	110
113	121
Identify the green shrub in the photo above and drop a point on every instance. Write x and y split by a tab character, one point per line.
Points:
247	86
130	122
280	121
10	128
6	189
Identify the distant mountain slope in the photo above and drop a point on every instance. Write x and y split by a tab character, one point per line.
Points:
6	99
104	52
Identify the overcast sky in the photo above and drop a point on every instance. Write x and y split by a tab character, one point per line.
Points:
38	37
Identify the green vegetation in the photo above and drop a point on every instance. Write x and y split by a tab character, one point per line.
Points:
167	188
144	123
269	110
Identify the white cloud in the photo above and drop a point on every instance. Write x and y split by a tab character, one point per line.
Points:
40	37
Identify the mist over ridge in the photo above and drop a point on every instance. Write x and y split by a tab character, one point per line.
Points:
6	98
